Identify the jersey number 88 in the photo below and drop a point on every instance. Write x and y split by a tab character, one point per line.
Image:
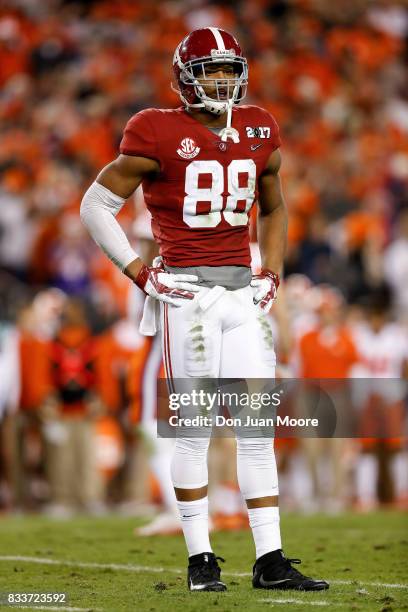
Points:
213	194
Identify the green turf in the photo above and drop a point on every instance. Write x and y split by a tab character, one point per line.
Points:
354	548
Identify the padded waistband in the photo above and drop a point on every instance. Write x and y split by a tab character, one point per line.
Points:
230	277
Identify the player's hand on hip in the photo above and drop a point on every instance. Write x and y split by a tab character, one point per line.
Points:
265	287
166	287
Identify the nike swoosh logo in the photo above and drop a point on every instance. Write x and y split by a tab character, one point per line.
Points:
201	587
256	146
266	583
189	515
196	587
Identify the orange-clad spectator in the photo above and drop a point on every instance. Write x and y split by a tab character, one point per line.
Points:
14	48
34	380
121	349
93	141
17	143
303	199
371	49
328	351
35	323
361	225
304	76
110	449
69	415
122	9
296	231
136	373
34	388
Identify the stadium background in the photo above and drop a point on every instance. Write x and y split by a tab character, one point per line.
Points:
335	76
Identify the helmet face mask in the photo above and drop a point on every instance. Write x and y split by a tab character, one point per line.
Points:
195	63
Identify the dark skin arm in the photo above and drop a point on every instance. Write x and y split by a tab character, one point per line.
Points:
272	216
123	176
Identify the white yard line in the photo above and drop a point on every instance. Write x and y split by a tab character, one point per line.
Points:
300	602
113	566
384	585
173	570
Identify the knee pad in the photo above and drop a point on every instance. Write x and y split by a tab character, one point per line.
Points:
256	467
189	465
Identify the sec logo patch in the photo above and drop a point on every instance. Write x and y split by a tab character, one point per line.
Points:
188	148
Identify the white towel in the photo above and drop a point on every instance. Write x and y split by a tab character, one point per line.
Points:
149	325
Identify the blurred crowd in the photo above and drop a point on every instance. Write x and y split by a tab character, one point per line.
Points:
72	406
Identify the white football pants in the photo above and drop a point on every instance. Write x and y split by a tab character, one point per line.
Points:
228	339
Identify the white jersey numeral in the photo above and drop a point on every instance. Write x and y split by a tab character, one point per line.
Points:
238	193
197	194
213	194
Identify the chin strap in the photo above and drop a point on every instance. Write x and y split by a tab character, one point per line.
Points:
225	133
228	131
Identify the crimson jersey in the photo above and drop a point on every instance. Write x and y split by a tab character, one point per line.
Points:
201	198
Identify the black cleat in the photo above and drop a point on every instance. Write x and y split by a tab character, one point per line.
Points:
274	571
204	573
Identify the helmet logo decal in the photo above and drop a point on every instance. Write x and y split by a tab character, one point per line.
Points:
188	148
227	53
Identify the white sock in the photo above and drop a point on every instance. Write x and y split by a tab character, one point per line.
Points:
265	529
194	521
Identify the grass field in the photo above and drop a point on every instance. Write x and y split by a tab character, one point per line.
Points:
102	566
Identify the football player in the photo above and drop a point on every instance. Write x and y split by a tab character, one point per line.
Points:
202	166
